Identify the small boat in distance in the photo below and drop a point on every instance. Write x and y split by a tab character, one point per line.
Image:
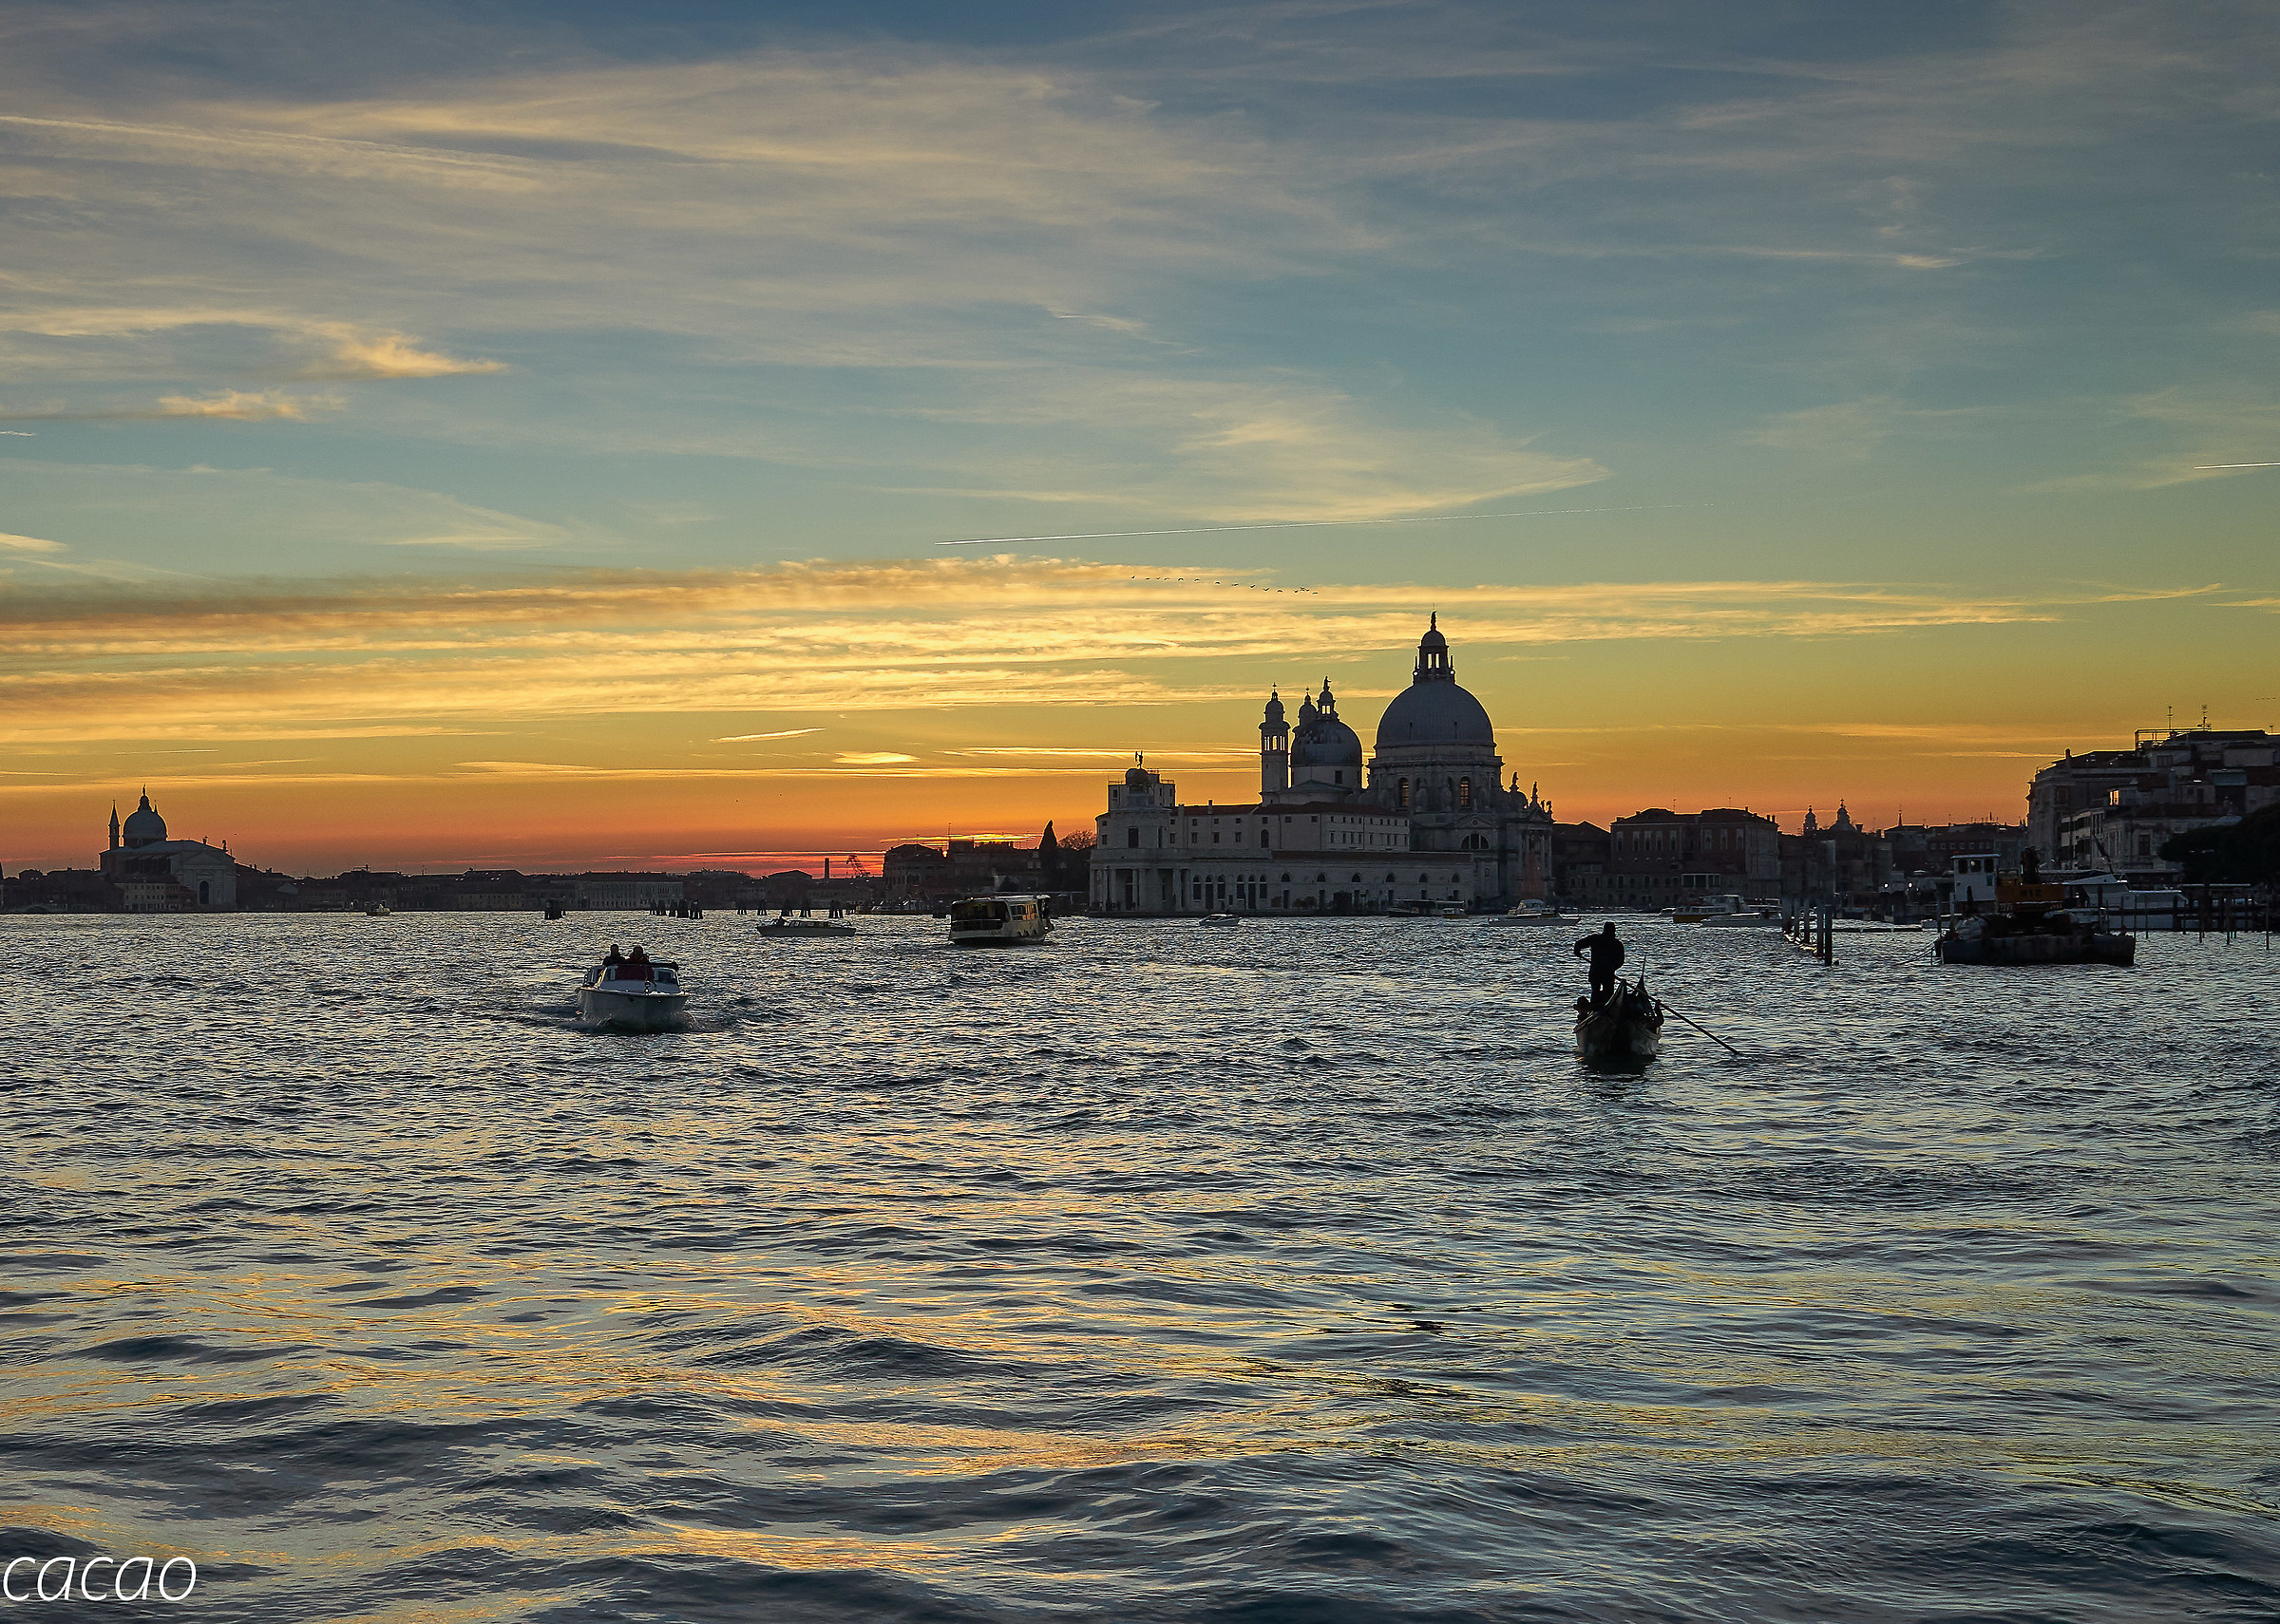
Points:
634	993
1760	915
1626	1030
786	926
378	911
1533	912
1722	907
1221	919
999	922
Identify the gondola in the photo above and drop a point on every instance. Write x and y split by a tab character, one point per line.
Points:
1626	1030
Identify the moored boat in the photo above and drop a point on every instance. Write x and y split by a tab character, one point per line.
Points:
999	920
2054	937
1624	1029
633	993
2029	925
1221	919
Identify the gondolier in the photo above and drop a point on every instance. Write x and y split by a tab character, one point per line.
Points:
1606	958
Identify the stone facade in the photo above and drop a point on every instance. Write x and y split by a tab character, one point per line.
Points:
1425	822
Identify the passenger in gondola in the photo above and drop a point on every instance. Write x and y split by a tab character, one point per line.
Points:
1606	958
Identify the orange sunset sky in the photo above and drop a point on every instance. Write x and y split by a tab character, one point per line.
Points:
534	440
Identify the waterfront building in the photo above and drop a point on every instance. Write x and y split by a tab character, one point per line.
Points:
2113	810
159	876
1930	849
1580	853
1839	863
1426	821
1659	859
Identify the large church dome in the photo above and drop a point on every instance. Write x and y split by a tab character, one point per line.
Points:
143	826
1432	710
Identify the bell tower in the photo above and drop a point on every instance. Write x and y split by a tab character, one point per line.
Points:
1274	748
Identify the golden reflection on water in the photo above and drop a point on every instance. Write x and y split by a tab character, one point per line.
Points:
720	1270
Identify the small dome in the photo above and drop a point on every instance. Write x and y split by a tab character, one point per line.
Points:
1274	708
1139	778
143	826
1328	743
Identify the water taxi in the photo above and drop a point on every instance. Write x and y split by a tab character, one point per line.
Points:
633	993
1531	912
786	926
1221	919
999	922
1726	909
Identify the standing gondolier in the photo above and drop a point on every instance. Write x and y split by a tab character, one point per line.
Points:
1606	958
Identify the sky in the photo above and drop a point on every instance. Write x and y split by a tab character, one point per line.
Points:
701	435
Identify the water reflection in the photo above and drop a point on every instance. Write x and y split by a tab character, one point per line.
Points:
1155	1275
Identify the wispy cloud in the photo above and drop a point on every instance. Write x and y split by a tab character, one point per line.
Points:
926	634
238	406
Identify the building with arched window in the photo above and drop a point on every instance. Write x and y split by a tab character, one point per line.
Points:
1426	822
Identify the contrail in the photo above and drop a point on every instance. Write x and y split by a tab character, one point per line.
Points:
1313	525
2205	467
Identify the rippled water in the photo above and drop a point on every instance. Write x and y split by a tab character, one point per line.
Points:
1288	1273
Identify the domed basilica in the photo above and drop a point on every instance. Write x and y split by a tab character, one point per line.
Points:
158	875
1425	822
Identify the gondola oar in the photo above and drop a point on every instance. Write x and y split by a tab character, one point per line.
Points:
1698	1026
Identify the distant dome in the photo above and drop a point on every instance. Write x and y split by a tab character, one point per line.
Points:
1328	742
1139	778
143	826
1434	713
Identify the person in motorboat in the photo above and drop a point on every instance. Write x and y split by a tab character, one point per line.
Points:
637	963
613	956
1606	958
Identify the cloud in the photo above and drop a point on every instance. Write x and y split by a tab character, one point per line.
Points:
371	356
873	758
238	406
785	733
254	520
242	407
923	634
31	544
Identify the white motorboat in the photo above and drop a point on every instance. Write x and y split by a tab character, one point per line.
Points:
633	993
1762	915
1221	919
1531	912
1728	909
999	922
787	926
